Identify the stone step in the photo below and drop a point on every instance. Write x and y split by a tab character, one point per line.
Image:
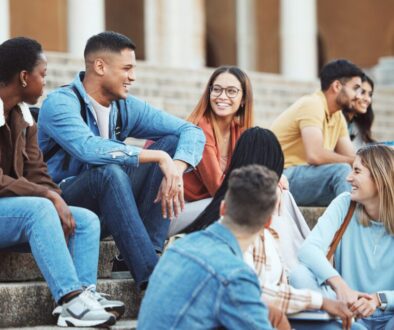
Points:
30	303
120	325
312	214
16	267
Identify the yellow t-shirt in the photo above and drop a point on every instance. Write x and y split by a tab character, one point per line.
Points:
308	111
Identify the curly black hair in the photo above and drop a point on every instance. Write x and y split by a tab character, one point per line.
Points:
16	55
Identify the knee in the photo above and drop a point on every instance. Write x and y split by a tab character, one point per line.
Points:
167	143
86	221
113	173
300	277
342	170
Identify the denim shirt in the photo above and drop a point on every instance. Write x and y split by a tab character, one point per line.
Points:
202	282
60	122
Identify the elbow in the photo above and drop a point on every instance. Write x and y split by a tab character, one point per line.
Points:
313	159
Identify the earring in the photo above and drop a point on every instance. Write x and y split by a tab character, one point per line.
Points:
24	84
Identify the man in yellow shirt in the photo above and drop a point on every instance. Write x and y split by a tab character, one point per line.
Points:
314	137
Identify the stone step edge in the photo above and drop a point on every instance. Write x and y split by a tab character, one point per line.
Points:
31	304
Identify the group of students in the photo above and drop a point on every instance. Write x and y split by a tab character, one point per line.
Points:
227	274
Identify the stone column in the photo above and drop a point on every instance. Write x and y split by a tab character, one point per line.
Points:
246	34
298	39
175	33
4	20
85	18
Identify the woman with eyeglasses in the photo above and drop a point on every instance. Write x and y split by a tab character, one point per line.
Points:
223	112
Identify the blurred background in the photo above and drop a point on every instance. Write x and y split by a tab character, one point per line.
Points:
282	44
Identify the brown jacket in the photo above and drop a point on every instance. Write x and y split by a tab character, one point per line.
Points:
22	169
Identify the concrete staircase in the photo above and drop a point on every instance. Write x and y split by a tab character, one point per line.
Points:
25	300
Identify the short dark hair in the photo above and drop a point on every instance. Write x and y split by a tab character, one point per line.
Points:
251	196
108	41
338	70
16	55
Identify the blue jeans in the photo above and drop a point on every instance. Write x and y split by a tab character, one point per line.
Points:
317	185
321	325
34	220
123	198
302	277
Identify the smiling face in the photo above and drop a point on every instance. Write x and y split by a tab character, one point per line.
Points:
35	81
363	102
222	100
118	74
349	93
364	189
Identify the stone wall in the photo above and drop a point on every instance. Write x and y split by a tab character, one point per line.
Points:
178	90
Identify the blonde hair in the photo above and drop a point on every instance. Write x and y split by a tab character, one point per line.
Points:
244	115
379	160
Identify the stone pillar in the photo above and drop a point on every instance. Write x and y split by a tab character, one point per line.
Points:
246	34
4	20
85	18
175	33
298	39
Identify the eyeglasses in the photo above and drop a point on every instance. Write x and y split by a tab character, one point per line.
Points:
231	91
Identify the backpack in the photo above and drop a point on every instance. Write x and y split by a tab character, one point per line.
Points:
51	152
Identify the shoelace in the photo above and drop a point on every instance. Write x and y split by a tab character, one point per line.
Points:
97	295
89	300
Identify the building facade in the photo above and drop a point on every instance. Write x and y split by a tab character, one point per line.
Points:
292	38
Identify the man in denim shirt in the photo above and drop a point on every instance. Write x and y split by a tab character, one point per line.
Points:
202	282
81	129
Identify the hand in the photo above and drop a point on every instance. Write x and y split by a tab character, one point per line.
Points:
343	291
340	309
277	318
171	188
365	306
66	218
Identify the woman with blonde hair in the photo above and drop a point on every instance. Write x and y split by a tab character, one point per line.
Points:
223	112
363	275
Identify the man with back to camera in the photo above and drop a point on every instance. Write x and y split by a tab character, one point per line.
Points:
314	137
134	191
202	282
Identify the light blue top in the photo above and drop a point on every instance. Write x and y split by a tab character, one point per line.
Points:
202	282
60	122
364	258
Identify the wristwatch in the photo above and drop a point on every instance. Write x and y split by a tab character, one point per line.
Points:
383	300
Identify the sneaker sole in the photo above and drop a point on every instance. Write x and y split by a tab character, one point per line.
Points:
121	275
72	322
117	311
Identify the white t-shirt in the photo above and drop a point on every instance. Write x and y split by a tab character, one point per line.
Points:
101	114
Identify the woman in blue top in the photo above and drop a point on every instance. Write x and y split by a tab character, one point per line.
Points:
363	275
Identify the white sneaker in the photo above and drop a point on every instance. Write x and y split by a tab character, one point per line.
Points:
115	307
84	311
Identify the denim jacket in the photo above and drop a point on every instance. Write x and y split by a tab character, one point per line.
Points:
60	122
202	282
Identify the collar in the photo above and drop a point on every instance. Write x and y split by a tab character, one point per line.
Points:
225	235
28	118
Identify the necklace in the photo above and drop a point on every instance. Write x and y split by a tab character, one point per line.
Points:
377	235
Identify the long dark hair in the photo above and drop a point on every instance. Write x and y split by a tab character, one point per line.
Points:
255	146
362	121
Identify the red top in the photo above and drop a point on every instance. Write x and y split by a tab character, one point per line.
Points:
205	180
